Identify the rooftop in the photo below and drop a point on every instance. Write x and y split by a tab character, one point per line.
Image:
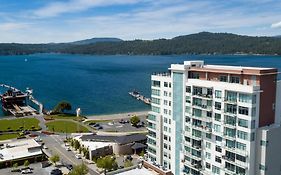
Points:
19	149
124	139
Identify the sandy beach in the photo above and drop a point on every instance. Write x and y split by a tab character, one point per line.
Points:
118	116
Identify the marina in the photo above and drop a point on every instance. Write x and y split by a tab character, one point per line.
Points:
140	97
18	103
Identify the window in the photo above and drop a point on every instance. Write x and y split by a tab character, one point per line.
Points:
166	84
217	105
165	93
187	99
218	138
155	83
241	146
230	143
208	135
253	112
264	143
155	109
151	117
246	98
208	145
165	120
208	155
243	123
231	108
165	111
240	158
234	79
208	165
243	110
218	148
188	89
231	96
218	159
217	128
155	92
193	75
215	170
217	117
155	100
223	78
217	94
262	167
242	135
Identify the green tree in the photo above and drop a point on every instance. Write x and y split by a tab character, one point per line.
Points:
15	166
54	159
26	163
141	153
79	170
134	120
76	144
62	106
107	163
128	163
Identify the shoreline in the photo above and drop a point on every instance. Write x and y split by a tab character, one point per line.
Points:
115	116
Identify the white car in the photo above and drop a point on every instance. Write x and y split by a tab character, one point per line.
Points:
78	156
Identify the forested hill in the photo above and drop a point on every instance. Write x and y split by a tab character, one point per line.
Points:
200	43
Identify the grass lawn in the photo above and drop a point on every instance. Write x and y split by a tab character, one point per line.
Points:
8	136
19	124
62	126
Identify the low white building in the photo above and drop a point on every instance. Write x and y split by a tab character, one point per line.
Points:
19	150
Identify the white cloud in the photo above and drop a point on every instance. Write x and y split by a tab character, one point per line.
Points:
71	6
12	26
276	25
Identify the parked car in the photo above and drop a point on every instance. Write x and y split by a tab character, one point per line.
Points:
68	149
69	167
56	172
78	156
27	171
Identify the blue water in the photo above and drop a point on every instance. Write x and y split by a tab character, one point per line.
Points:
100	84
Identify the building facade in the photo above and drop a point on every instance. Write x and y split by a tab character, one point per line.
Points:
213	119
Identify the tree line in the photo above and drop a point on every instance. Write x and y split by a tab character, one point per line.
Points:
200	43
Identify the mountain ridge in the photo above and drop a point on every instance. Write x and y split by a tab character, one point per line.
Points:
198	43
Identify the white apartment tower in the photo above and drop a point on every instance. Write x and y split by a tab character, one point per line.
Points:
213	119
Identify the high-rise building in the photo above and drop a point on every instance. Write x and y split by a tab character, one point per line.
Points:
214	119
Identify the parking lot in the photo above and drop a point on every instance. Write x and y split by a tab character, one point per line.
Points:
118	126
37	169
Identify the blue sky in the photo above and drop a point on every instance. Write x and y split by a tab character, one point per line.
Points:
37	21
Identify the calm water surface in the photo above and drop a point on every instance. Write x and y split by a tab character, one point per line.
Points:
100	84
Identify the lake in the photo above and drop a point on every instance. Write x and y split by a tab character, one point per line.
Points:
100	84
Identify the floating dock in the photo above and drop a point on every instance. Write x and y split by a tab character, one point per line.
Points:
15	102
140	97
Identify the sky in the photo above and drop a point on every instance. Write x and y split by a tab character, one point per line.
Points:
44	21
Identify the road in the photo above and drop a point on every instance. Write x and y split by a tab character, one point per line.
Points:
55	145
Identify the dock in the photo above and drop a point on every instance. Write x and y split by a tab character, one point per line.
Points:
16	102
140	97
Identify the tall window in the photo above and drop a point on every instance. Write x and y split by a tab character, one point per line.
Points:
243	123
223	78
217	94
215	170
242	135
243	110
234	79
155	83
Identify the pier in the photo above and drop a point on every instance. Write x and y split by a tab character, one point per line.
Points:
15	102
140	97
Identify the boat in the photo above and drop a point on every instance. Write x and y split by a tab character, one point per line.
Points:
140	97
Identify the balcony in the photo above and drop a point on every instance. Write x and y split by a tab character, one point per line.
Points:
203	96
194	157
229	137
202	107
229	125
